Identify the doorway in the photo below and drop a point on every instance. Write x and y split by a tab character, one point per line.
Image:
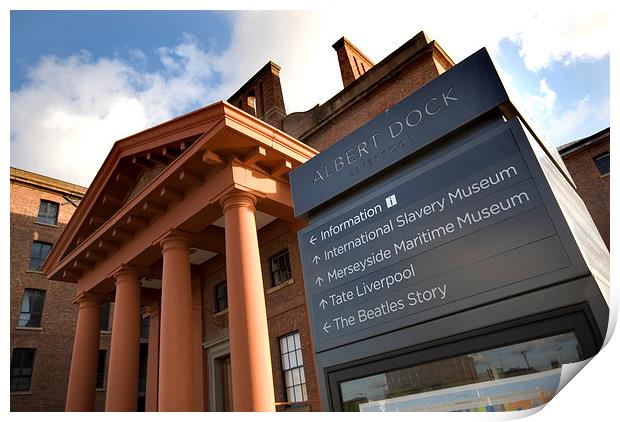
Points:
220	375
223	384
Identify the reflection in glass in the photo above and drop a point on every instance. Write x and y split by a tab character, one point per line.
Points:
483	373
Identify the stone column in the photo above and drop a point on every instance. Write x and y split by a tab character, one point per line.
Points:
152	365
252	376
83	373
175	343
122	388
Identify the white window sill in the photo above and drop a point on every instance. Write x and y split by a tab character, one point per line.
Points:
280	286
40	223
29	328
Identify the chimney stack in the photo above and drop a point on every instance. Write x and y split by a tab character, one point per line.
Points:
262	97
353	63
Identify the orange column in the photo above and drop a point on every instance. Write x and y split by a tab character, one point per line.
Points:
152	365
252	377
175	341
122	388
83	374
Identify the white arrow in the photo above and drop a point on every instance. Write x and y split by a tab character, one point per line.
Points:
326	326
319	280
316	259
323	303
312	240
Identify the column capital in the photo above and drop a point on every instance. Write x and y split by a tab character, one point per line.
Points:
89	299
175	239
238	199
128	273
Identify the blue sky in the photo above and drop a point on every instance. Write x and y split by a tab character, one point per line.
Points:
155	29
81	80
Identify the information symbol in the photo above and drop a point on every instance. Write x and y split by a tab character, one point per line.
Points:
390	201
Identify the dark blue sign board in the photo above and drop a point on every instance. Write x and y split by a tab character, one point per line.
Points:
470	221
461	209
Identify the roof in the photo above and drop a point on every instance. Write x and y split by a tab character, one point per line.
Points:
580	144
47	183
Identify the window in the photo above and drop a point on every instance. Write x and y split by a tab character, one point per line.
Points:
48	212
221	297
22	362
280	268
293	368
101	359
104	324
513	377
38	253
32	308
145	324
602	163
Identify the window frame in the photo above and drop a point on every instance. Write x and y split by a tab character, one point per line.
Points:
216	296
31	313
43	218
279	271
30	261
299	369
21	369
596	159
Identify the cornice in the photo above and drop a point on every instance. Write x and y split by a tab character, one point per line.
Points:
47	183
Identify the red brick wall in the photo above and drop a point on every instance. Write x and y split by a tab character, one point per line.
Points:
591	186
54	340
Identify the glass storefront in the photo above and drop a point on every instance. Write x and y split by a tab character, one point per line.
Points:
514	377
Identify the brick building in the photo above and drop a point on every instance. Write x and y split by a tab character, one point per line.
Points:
42	316
587	160
170	202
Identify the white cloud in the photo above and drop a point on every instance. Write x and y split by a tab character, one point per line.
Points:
567	125
564	35
65	119
542	103
560	123
301	41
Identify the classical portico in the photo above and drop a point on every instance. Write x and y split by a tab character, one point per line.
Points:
195	183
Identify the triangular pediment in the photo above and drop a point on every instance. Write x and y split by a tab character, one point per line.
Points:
132	163
154	170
